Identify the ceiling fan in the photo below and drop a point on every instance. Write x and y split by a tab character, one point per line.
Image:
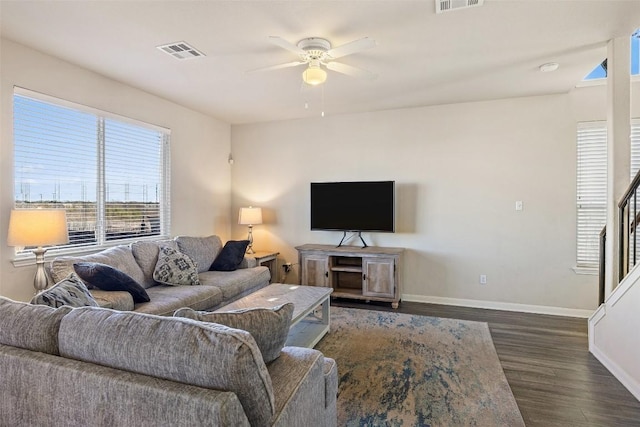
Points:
317	52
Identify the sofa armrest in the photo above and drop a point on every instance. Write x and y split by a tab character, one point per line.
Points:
248	262
300	387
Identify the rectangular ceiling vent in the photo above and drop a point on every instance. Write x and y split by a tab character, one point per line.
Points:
447	5
181	50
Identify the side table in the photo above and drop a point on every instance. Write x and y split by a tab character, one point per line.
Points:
268	259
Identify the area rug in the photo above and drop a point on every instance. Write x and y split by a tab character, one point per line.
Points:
406	370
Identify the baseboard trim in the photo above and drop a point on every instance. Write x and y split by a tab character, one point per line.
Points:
630	383
494	305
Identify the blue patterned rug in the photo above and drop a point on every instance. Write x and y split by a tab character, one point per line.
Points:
404	370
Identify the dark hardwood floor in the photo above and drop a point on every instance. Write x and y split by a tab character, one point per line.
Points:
554	378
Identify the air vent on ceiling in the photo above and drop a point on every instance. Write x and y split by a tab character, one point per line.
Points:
181	50
447	5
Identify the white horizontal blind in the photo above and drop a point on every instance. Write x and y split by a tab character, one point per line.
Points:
592	185
133	179
110	176
591	190
635	147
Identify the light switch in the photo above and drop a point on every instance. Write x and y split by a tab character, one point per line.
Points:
518	205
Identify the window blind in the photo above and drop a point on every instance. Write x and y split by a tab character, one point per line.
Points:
592	185
591	190
110	174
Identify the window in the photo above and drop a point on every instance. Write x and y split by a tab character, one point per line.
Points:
109	173
592	185
600	72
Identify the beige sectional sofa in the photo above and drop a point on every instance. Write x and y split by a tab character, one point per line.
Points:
139	259
102	367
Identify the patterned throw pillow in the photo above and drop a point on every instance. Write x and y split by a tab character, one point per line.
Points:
175	268
107	278
69	291
268	326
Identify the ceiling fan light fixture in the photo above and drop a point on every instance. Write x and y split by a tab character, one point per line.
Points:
314	75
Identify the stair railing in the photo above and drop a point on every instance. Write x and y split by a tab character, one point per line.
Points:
601	279
628	230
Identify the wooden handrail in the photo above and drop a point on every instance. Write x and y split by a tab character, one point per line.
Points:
601	267
630	190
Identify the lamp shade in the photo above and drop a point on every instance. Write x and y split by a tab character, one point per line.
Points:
37	227
314	75
250	216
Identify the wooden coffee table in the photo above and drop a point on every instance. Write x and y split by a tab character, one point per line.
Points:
311	312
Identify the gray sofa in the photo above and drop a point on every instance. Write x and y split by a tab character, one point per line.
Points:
138	260
102	367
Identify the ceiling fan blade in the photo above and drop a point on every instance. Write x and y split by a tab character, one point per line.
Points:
350	70
277	67
352	47
279	41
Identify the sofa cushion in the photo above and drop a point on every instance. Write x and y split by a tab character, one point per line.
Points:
117	300
268	326
70	292
165	300
230	256
32	327
107	278
183	350
175	268
146	255
202	250
239	282
119	257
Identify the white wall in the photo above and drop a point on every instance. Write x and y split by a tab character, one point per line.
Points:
613	333
459	170
200	184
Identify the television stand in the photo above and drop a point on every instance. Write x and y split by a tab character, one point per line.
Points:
369	274
344	236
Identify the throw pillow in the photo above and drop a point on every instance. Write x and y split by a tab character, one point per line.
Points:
175	268
268	326
69	291
230	256
107	278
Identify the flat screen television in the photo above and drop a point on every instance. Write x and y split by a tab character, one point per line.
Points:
353	206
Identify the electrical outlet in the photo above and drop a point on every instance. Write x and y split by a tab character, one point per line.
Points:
287	267
483	279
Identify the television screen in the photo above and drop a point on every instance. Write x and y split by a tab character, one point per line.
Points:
353	206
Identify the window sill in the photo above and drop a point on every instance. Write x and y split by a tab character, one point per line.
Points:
591	271
24	260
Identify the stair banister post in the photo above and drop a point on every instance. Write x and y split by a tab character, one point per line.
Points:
618	150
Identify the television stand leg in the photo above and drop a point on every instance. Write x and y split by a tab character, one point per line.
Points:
344	236
364	244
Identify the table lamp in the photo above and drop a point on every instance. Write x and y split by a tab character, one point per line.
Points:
250	216
38	227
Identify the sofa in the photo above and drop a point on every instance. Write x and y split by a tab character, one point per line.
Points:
102	367
138	260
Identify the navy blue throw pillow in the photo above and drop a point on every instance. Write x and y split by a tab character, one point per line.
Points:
107	278
230	256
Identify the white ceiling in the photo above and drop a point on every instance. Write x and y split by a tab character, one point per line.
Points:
422	58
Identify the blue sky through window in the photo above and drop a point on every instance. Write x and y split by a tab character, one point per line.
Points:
600	72
56	156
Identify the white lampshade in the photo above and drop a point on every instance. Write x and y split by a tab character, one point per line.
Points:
314	75
37	227
250	216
